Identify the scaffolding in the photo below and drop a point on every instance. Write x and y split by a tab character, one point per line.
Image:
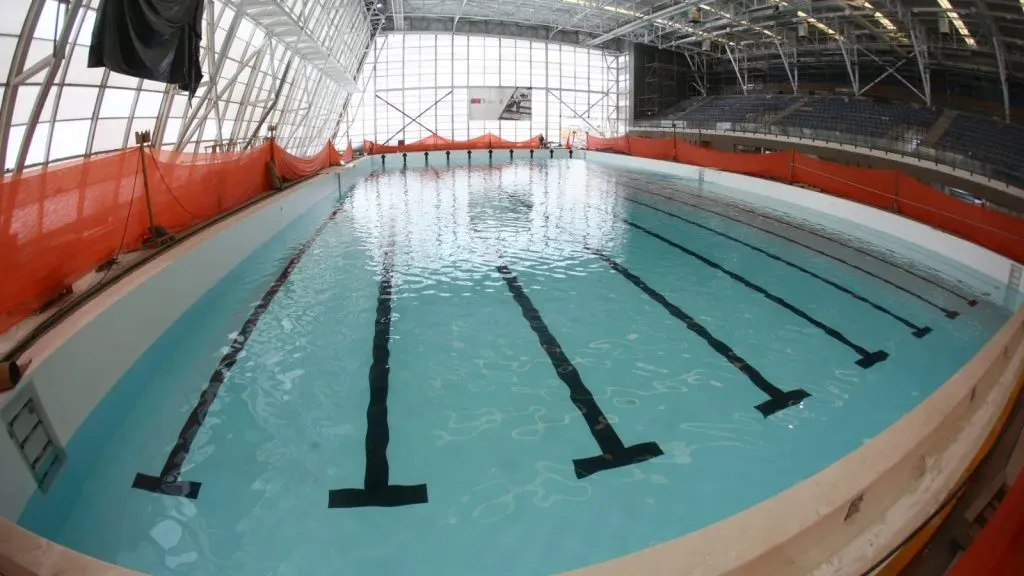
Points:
661	90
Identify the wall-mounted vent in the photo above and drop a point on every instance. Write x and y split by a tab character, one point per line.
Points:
26	425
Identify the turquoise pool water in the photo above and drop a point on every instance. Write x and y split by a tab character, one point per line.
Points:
513	369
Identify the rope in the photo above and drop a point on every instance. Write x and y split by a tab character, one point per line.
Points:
124	232
169	189
919	205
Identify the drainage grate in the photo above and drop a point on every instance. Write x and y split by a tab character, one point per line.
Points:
34	439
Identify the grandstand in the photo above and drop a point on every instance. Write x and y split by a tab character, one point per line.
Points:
986	144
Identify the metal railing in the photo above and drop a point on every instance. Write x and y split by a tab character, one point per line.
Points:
902	141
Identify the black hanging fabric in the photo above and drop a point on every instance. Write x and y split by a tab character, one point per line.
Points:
151	39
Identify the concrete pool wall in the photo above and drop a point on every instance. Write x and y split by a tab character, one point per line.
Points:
76	364
896	479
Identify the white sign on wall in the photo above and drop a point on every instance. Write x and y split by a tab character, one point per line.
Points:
490	103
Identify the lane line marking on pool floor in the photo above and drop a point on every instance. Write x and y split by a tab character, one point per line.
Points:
377	490
918	331
614	453
867	359
778	399
951	314
690	191
169	481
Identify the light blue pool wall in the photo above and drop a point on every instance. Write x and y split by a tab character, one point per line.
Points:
70	382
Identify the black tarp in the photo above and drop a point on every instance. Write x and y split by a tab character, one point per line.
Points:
152	39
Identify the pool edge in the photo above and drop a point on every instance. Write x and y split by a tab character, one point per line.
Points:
127	327
849	516
964	252
812	527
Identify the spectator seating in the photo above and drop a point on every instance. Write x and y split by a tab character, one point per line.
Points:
736	109
983	140
858	116
989	141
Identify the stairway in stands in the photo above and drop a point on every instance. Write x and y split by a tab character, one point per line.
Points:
800	102
938	129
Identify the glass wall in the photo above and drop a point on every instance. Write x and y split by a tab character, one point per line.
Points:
260	81
414	84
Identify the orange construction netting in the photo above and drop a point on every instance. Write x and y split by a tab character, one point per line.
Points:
999	548
60	222
433	142
889	190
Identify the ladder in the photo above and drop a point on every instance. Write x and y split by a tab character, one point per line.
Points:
35	440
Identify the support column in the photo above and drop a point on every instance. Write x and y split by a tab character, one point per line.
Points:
852	68
1001	61
785	63
736	67
922	66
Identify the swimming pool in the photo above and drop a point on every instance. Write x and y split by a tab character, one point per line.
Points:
516	368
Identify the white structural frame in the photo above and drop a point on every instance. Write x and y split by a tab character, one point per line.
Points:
273	63
294	63
397	102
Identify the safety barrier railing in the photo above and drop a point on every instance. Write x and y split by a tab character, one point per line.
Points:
889	190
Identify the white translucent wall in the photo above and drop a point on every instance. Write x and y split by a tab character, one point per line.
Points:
409	75
89	110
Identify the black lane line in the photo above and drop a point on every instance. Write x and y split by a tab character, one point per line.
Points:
918	331
970	301
377	490
867	359
946	311
778	399
614	453
169	481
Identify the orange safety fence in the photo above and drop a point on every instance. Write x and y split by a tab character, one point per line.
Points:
889	190
292	167
435	143
869	186
60	222
999	548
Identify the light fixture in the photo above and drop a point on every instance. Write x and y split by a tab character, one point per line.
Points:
807	18
744	22
958	23
885	22
660	22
